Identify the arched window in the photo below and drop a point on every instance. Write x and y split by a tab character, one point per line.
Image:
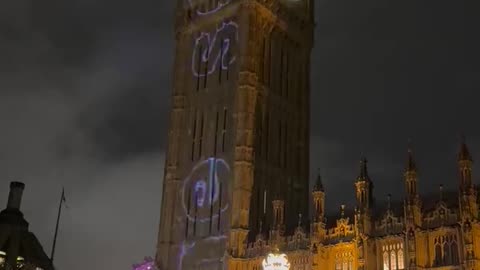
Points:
447	251
386	261
344	260
438	255
393	258
454	252
400	259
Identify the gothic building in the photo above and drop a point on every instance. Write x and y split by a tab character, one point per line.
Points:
239	128
419	232
19	248
236	180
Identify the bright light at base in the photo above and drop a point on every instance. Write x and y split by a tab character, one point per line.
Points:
276	262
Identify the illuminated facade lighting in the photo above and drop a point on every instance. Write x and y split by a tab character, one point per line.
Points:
276	261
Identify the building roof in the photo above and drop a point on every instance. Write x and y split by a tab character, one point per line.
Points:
16	241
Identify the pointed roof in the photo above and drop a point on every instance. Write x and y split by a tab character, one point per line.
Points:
318	183
363	176
411	165
464	153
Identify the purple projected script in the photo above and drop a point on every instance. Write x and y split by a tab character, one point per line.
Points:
214	50
147	264
208	253
202	198
205	202
195	3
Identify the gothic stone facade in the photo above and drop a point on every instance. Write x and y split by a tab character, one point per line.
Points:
239	128
421	232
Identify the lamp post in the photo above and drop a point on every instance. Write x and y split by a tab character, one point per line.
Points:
276	261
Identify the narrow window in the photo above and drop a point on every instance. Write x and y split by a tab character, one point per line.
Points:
401	259
263	62
205	73
267	133
279	155
285	146
215	139
281	72
269	61
224	130
393	260
386	263
194	135
286	74
220	63
200	140
228	63
199	66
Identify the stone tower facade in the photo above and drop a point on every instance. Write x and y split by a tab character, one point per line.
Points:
238	142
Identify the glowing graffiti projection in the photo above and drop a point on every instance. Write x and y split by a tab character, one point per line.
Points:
204	188
209	10
208	254
275	261
205	202
214	50
147	264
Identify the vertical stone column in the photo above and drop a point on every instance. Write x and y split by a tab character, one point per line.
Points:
171	181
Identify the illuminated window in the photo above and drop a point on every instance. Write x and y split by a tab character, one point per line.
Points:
393	258
344	260
194	135
446	250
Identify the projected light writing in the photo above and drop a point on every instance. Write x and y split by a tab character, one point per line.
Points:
203	187
147	264
203	254
221	4
213	51
205	201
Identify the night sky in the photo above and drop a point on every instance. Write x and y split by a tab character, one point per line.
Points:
84	97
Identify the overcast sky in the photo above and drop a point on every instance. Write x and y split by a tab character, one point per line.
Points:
84	90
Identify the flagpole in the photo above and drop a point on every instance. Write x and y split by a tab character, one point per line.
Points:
62	198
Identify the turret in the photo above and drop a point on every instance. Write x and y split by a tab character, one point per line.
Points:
468	196
364	195
278	222
410	177
465	168
318	197
364	188
412	201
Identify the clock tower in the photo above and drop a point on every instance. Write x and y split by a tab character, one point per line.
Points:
239	128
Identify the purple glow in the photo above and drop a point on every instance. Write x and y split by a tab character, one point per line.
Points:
147	264
207	44
200	192
188	248
217	172
220	5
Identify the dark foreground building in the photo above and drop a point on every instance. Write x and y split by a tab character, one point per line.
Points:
19	248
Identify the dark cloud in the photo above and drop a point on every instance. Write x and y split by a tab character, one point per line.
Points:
85	95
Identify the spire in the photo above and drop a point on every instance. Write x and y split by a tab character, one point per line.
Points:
363	176
441	192
464	154
318	184
411	165
342	210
